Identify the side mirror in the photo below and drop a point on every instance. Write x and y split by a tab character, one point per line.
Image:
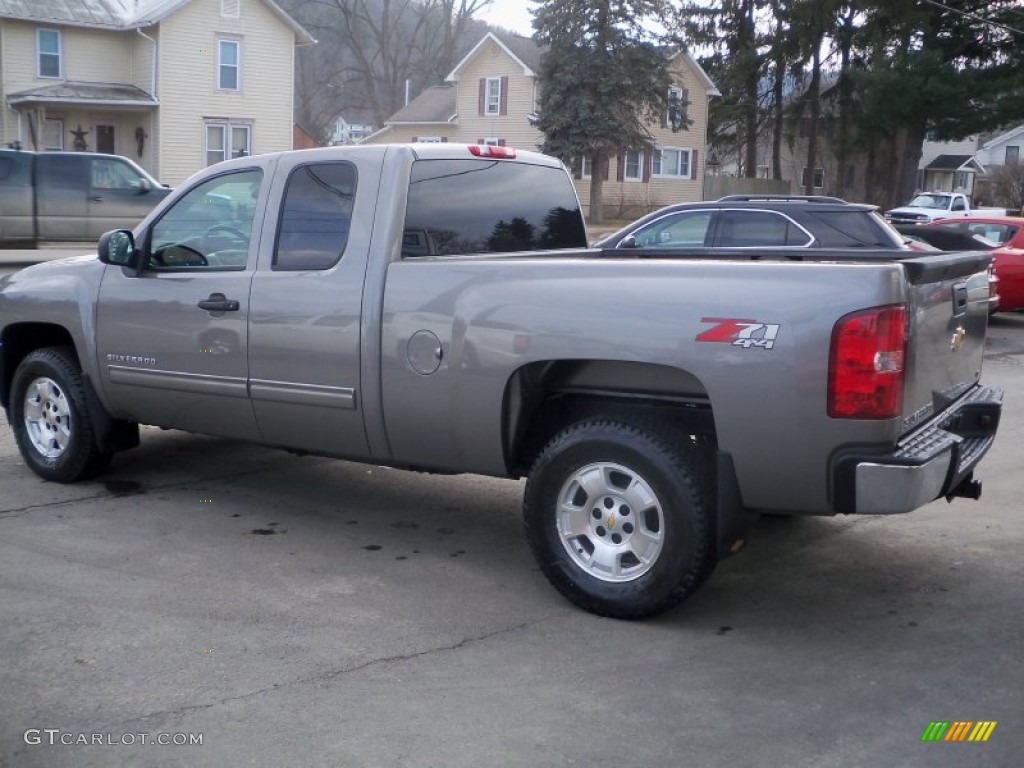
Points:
628	242
117	248
142	185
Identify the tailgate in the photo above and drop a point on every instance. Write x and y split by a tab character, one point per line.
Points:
948	305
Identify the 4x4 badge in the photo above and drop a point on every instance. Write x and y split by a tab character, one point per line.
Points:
740	333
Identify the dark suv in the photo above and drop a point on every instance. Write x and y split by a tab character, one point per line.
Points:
765	221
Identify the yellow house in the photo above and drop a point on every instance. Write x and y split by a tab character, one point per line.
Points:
492	93
174	85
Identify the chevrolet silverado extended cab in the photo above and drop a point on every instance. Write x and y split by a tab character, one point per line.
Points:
434	307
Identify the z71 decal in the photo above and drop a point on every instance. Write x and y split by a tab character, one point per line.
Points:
740	333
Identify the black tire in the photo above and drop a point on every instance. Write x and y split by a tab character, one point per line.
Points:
76	455
666	465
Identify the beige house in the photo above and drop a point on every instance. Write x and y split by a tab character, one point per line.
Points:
492	93
174	85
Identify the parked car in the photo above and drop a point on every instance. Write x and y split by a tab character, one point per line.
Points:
765	221
1007	233
71	195
930	206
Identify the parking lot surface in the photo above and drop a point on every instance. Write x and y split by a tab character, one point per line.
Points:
308	612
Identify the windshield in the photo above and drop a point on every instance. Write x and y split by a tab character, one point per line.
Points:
931	201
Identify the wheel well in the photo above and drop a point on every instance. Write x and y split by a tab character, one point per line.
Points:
19	340
542	398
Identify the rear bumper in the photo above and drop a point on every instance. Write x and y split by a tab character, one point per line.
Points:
935	460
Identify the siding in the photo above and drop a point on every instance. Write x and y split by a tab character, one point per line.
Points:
92	55
87	55
514	128
142	59
188	72
405	134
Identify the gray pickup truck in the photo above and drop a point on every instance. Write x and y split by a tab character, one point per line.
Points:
72	196
434	307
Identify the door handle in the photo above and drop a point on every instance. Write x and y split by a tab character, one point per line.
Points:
97	198
217	302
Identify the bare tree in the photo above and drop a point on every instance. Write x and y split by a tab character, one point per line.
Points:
375	47
1007	185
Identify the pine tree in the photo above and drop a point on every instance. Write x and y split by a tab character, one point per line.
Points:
604	77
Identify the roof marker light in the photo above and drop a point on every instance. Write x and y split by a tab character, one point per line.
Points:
489	150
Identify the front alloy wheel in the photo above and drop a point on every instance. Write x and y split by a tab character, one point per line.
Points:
47	417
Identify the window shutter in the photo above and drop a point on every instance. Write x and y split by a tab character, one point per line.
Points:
481	141
504	96
415	139
693	164
501	142
483	96
648	161
577	168
607	167
444	139
620	168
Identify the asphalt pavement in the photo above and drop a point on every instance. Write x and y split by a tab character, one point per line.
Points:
295	611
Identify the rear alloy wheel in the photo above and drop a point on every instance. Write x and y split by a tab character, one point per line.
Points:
50	419
619	517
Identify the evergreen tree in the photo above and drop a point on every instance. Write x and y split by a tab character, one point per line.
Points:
604	76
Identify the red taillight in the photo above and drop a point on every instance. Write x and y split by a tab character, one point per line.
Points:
867	364
489	150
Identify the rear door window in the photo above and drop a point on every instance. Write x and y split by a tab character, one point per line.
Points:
489	206
315	217
764	229
66	172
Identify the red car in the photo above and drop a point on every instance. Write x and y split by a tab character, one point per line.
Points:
1007	260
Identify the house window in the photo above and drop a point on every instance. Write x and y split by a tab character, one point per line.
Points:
227	140
671	161
228	58
1012	155
492	104
427	139
961	180
674	115
634	166
586	168
53	134
819	178
48	46
492	142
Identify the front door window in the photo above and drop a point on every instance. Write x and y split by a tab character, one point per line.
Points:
209	227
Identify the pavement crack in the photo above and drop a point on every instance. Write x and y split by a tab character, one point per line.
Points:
17	511
328	676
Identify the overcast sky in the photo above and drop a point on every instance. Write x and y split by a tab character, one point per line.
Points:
510	14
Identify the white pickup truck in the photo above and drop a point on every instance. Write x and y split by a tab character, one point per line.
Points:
930	206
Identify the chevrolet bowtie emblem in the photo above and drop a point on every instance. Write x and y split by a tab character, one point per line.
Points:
959	337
